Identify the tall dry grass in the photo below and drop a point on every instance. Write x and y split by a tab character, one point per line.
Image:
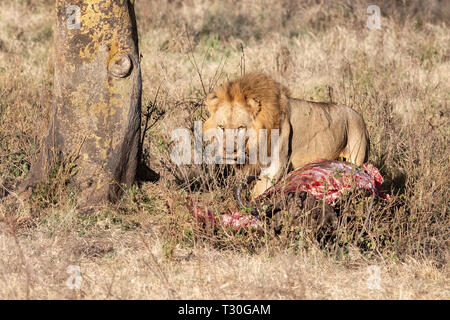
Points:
397	77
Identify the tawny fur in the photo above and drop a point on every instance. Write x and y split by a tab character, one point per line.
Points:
308	130
271	95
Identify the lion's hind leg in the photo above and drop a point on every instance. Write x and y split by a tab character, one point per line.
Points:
357	149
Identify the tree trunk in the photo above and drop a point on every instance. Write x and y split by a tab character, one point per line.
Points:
96	112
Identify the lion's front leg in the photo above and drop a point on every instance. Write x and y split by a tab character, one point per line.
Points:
279	161
269	176
262	185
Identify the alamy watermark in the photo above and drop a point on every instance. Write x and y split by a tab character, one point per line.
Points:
374	280
374	20
73	14
225	146
74	281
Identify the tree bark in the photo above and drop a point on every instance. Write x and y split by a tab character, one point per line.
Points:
96	111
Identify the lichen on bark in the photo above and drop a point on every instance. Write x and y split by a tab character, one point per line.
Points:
96	110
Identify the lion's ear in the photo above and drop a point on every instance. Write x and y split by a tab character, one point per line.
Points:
255	106
211	102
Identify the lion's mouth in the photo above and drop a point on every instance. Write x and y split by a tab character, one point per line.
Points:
236	156
230	156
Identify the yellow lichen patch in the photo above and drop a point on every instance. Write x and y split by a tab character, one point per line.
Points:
80	97
102	23
94	23
114	103
102	149
95	14
82	102
104	153
113	51
107	142
100	109
99	184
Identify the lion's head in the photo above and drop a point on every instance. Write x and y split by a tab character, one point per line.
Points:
253	101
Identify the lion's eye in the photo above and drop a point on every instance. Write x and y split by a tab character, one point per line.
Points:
221	128
212	96
241	130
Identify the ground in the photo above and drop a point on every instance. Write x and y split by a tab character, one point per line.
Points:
148	246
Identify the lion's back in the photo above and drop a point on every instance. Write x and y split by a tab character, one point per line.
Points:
323	130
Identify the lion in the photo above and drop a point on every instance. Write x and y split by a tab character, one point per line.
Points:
307	130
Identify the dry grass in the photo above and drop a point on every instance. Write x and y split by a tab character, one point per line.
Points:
149	246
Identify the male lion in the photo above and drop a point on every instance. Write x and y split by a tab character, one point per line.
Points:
307	130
